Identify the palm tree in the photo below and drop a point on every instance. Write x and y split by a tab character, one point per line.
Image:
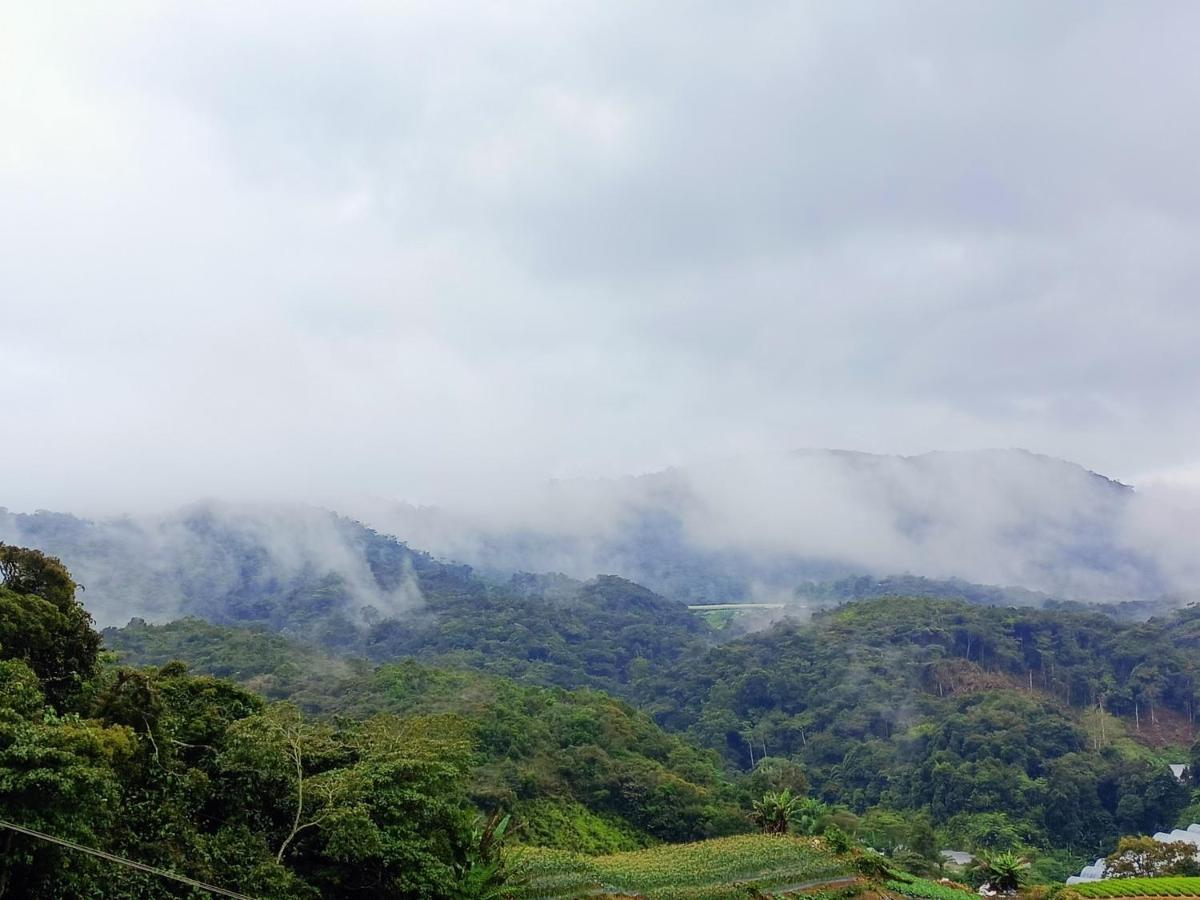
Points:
487	872
1005	872
779	812
774	812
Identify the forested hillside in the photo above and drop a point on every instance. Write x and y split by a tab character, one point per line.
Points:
202	779
1042	724
581	770
1043	731
369	779
311	575
1016	728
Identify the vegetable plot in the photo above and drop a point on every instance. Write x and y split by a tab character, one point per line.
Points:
1140	887
714	869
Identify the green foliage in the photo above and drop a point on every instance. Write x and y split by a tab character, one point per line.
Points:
1003	872
837	840
42	624
775	811
872	865
200	777
61	775
956	710
810	816
31	572
610	778
487	869
1055	867
773	773
1144	857
567	824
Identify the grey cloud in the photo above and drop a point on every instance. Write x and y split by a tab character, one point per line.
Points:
311	252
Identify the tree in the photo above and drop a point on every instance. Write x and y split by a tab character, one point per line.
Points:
288	758
486	871
25	571
884	829
1144	857
810	816
42	624
775	811
60	775
774	773
1003	872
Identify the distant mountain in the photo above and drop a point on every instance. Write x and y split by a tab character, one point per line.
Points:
274	565
758	527
818	525
311	575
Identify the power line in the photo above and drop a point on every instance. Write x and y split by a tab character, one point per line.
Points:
163	873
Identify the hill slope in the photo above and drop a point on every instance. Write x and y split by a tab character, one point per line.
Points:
761	525
581	770
960	710
322	579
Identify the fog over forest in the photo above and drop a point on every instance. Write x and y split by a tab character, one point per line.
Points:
749	529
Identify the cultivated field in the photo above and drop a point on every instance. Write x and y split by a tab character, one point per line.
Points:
705	870
1140	887
927	890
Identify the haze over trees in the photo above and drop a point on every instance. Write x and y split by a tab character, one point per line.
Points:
288	740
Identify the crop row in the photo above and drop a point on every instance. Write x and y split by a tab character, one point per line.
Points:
705	869
1176	886
927	890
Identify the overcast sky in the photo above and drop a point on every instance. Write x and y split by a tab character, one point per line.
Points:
415	249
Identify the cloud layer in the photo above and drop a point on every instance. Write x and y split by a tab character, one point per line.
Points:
427	250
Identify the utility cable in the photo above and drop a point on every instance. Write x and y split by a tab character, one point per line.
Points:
163	873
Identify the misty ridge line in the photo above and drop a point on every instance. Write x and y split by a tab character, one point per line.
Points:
762	529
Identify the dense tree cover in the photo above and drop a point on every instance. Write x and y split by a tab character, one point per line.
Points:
1144	857
963	711
329	581
868	587
1003	728
42	624
920	706
1009	727
580	770
202	778
603	634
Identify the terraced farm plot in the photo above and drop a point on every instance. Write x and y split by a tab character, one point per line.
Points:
705	870
927	890
1140	887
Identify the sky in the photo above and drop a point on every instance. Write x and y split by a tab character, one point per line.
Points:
424	250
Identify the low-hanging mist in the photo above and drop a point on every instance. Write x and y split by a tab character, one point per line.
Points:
754	528
761	525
